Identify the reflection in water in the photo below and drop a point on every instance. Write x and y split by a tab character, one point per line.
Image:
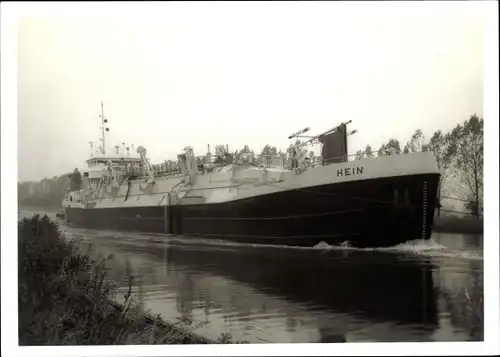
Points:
460	285
422	292
460	242
294	296
462	296
380	286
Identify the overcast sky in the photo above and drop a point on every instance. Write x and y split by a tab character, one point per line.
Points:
215	73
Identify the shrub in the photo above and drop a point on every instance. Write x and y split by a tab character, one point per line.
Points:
64	297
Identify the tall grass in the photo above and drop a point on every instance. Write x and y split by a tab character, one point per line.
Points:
64	297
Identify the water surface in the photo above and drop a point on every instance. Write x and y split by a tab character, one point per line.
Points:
418	291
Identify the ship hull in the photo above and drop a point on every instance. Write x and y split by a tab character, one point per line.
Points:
365	213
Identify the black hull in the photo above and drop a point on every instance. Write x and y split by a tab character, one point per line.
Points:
378	212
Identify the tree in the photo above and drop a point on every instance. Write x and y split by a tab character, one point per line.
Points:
301	151
269	150
46	193
467	145
416	143
440	145
359	154
390	148
245	149
368	151
268	153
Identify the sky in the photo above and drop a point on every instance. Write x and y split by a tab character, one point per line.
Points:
242	73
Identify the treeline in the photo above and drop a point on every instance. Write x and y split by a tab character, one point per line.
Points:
459	154
47	193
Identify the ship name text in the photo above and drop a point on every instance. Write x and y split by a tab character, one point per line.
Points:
350	171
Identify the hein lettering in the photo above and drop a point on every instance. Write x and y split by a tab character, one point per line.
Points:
350	171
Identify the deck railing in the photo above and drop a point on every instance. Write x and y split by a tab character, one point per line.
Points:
273	161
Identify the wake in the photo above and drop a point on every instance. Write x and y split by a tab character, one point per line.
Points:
418	247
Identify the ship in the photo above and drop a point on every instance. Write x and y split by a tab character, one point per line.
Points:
291	199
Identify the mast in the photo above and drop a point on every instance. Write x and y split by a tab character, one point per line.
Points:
103	129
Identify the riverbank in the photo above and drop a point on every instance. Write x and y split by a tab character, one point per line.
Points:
458	225
65	299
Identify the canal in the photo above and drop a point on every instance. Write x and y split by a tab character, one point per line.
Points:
418	291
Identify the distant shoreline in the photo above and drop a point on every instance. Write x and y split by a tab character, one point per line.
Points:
40	208
458	225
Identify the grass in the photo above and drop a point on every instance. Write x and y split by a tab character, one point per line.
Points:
64	297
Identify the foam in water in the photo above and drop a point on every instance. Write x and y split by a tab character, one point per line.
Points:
422	247
418	245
